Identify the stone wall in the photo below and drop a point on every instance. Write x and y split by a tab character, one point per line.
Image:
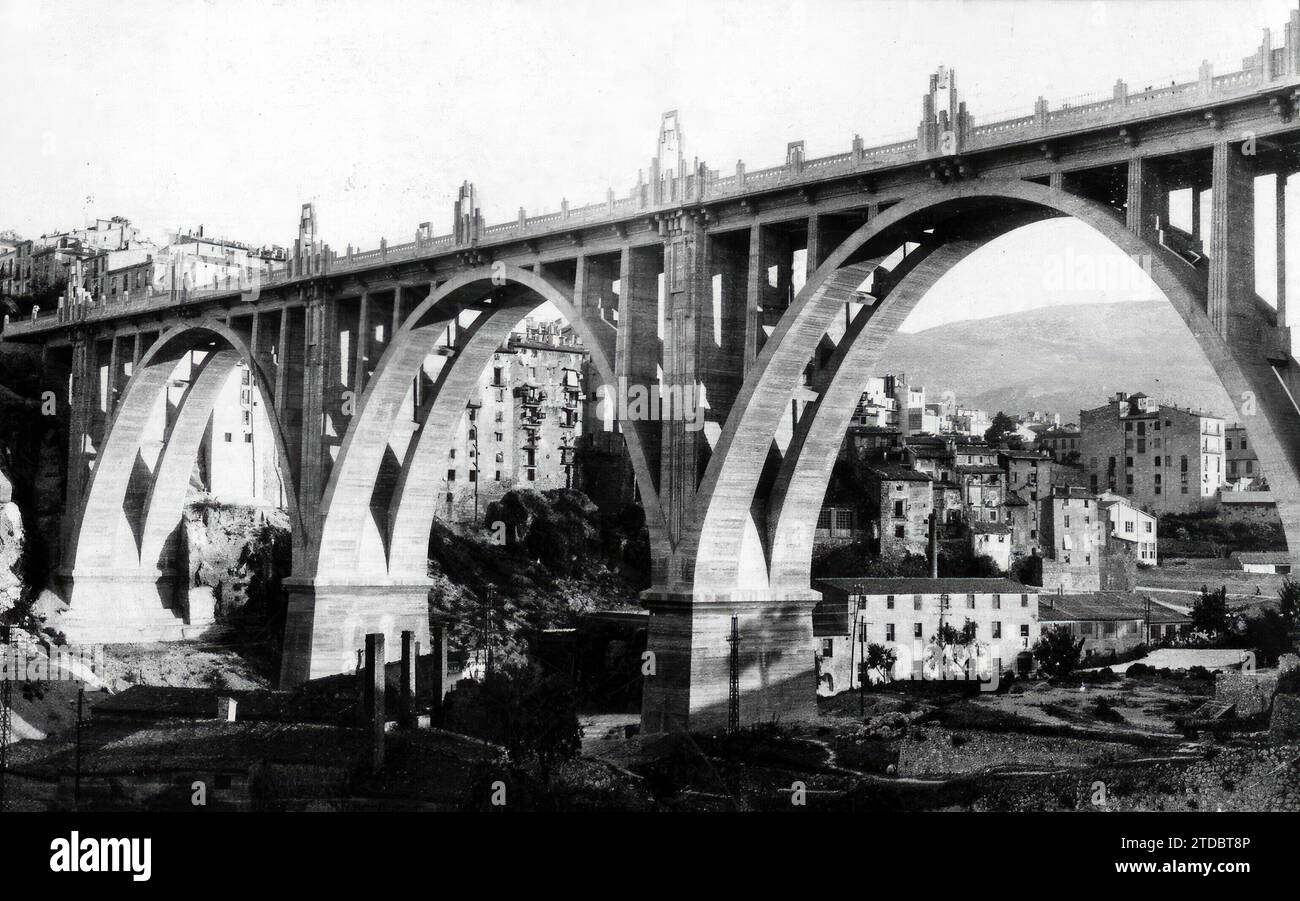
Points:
1252	692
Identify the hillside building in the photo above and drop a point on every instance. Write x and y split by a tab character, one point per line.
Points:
905	614
1163	459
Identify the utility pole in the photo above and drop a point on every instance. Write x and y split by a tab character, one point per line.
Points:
489	599
6	684
733	695
862	661
76	779
855	598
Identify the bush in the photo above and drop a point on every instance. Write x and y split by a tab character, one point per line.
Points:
1103	709
1139	670
1289	682
533	715
1057	652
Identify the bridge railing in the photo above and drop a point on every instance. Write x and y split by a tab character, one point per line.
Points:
1083	110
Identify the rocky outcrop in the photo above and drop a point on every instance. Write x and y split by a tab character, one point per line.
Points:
231	552
11	552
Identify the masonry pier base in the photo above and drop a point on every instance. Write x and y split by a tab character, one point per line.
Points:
327	622
690	639
122	606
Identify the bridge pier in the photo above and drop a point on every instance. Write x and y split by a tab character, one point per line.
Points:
689	636
130	605
327	623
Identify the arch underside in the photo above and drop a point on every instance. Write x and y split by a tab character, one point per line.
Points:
370	572
124	581
758	503
382	497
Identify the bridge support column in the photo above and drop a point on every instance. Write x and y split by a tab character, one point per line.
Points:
81	394
1280	212
1232	242
1148	203
690	689
326	623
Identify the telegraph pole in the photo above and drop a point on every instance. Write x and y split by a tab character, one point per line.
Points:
733	693
76	783
5	686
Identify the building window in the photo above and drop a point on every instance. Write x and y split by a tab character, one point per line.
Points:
898	509
451	475
1024	630
889	632
900	531
997	629
229	437
970	602
248	437
1024	600
828	648
997	602
916	602
889	602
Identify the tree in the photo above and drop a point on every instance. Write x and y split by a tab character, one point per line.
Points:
882	660
1210	612
534	715
1057	651
948	634
1269	634
1003	430
1288	602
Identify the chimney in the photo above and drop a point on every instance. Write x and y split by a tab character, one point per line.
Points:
933	550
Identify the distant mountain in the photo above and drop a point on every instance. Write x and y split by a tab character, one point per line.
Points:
1063	359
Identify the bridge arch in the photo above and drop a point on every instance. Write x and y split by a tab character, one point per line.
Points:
123	583
980	210
371	570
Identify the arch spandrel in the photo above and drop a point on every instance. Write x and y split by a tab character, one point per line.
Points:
728	489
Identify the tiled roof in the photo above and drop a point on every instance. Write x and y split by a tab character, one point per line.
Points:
1015	500
1262	556
975	469
918	585
1103	605
990	528
900	473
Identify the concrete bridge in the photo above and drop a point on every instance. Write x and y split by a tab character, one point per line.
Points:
732	506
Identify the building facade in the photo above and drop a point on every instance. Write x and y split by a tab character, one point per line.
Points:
1111	622
1072	540
1161	458
523	428
905	614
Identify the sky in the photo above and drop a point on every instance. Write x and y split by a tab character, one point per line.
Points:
232	114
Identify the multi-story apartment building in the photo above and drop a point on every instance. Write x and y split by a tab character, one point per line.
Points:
1241	464
1163	459
905	614
898	504
1128	529
522	428
878	406
1061	443
1028	472
1023	518
1073	538
238	456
